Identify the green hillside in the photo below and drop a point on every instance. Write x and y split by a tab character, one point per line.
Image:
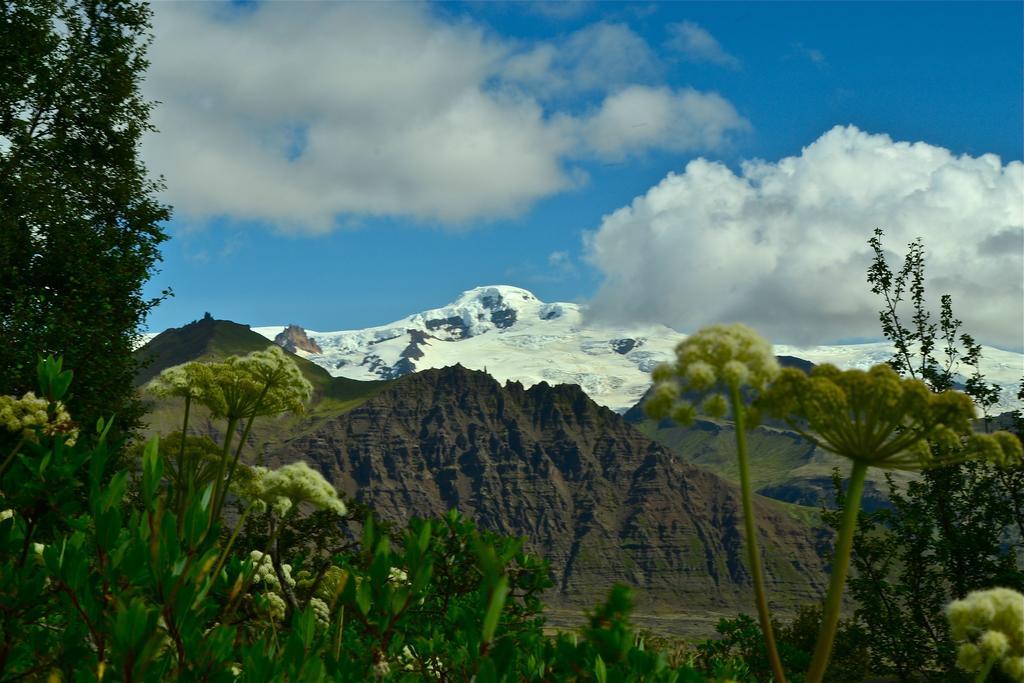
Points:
210	339
783	465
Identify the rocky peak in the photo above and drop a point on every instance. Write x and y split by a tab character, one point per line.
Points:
294	337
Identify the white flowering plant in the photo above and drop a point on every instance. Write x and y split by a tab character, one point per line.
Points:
725	363
238	389
989	625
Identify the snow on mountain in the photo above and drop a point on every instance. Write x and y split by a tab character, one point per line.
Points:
514	336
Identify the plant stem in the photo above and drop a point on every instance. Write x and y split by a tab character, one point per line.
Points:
983	674
338	633
840	564
219	482
179	496
234	463
224	554
753	554
10	456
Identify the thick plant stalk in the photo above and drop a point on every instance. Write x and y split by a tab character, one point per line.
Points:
226	551
983	674
753	554
179	496
840	565
219	501
218	483
234	462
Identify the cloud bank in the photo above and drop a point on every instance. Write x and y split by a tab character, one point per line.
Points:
782	245
299	119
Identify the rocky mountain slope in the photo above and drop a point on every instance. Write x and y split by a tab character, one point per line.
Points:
515	336
602	501
294	338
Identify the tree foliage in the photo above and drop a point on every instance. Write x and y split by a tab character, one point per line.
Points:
956	528
80	223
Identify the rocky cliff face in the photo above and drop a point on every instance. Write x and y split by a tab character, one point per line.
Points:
603	502
294	337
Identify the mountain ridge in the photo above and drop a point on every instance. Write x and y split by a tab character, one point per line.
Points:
515	336
600	500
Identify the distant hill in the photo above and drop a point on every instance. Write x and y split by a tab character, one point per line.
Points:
784	466
208	339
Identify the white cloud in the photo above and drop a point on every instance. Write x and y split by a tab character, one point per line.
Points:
782	245
295	116
596	58
639	118
696	44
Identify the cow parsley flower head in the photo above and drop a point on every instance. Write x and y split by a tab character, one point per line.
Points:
381	668
715	406
20	415
275	605
321	613
735	355
727	357
700	376
286	389
990	626
188	380
660	403
264	382
880	419
31	415
286	487
265	574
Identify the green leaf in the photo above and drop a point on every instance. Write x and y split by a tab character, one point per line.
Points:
497	601
152	469
364	597
424	539
600	673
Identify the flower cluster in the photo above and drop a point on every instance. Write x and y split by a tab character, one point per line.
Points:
183	381
286	389
275	606
717	357
288	486
882	420
321	612
262	383
990	626
265	574
29	415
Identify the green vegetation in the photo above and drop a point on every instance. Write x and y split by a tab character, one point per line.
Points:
130	585
117	564
80	225
210	340
142	578
732	358
954	530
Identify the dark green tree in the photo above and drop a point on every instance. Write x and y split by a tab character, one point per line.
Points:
80	223
957	528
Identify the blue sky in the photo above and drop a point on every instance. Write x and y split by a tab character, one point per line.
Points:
337	184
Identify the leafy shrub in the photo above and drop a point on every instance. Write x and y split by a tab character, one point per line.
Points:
107	586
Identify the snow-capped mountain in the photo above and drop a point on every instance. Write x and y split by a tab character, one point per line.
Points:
513	335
